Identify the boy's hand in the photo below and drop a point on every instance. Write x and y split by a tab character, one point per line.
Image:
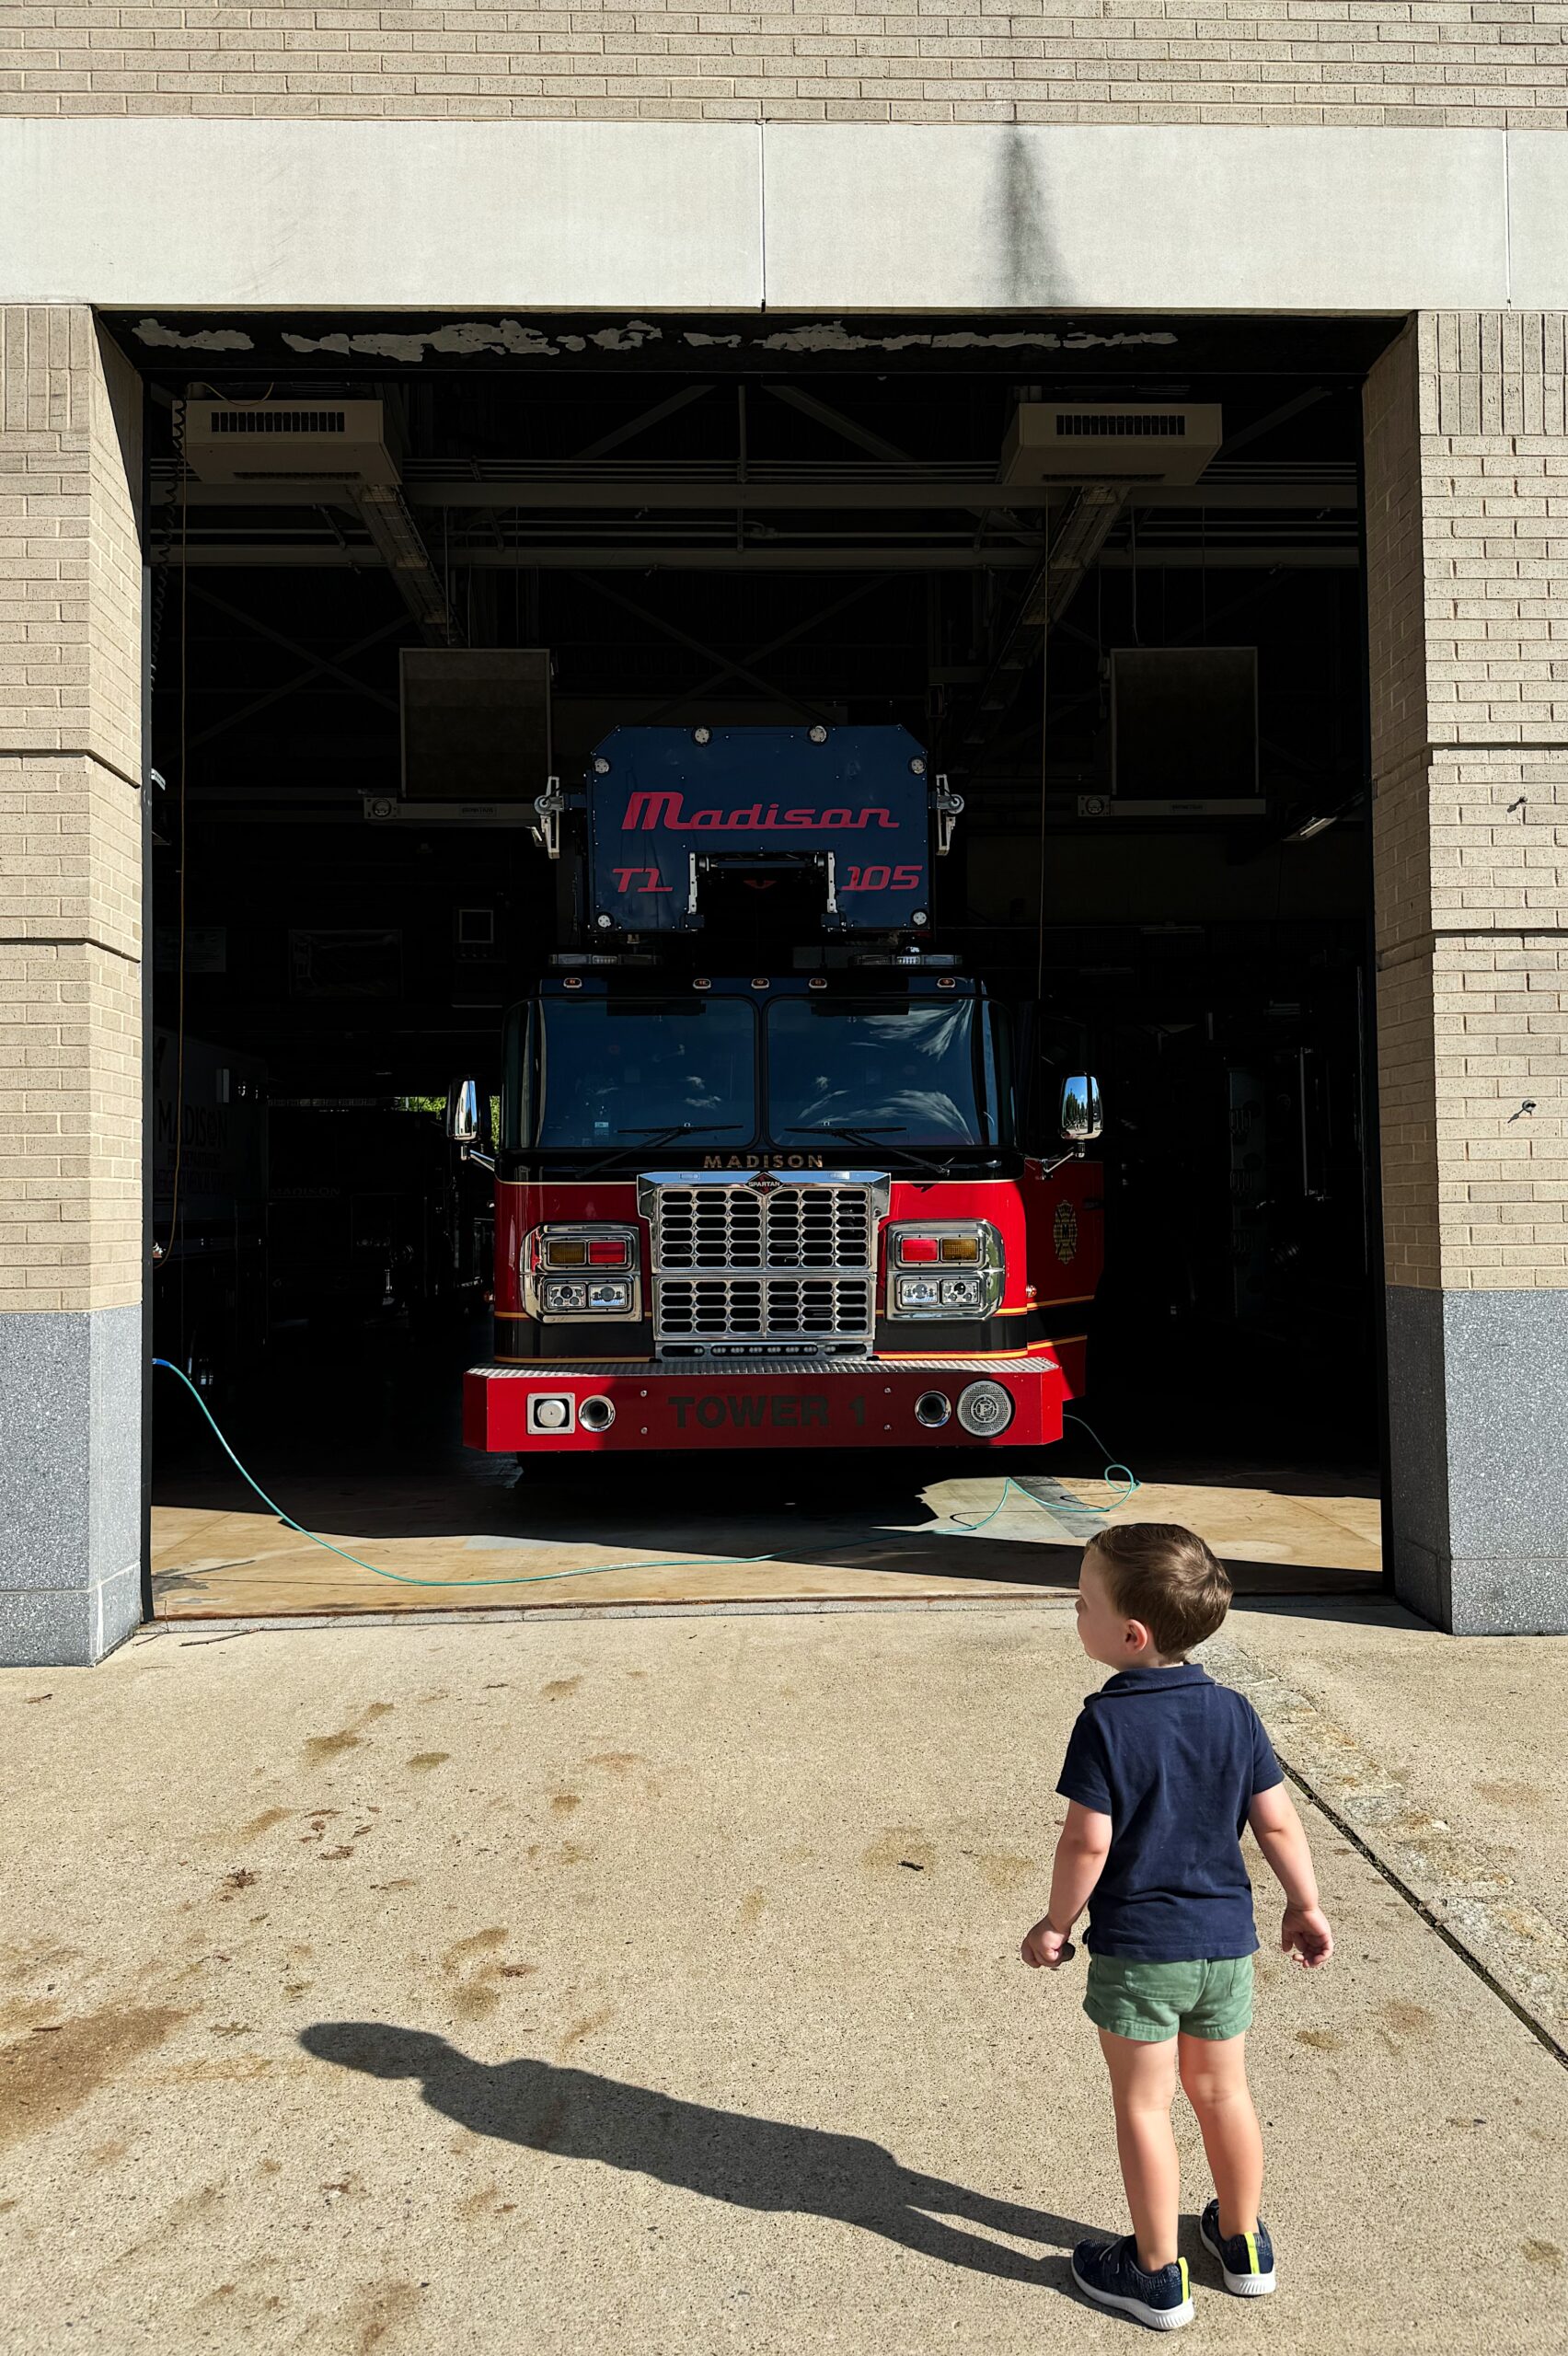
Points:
1046	1947
1305	1930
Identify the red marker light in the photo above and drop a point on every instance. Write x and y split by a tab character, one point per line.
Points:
913	1249
606	1252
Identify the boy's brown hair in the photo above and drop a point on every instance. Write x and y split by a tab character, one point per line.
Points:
1166	1576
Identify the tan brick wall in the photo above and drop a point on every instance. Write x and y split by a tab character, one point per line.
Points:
1467	440
70	817
1464	62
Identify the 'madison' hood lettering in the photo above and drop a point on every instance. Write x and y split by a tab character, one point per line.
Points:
666	811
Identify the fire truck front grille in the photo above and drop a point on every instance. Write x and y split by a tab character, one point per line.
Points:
739	1265
723	1308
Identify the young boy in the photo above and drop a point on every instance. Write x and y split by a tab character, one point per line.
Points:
1163	1769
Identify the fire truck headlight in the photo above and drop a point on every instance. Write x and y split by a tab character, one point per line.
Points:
919	1292
590	1250
561	1299
938	1290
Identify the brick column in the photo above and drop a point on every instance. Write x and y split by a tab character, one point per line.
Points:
1466	462
70	988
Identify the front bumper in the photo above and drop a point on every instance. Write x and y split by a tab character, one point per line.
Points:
775	1403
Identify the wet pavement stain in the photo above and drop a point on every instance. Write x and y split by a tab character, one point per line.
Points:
585	2027
264	1822
751	1908
1405	2021
475	1964
1005	1873
424	1761
901	1845
1507	1795
374	2314
44	2079
559	1687
1322	2040
321	1747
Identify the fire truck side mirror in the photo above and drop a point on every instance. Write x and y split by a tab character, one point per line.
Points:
464	1117
1082	1116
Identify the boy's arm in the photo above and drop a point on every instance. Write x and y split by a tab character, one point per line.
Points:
1277	1831
1080	1860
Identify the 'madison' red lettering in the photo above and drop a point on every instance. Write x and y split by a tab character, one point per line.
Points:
651	813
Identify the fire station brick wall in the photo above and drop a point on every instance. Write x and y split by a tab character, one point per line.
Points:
70	987
70	818
1440	62
1468	549
1467	448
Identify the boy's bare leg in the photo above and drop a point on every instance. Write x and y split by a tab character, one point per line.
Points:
1214	2076
1143	2084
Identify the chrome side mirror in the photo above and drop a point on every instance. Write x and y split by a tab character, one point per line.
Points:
464	1117
1082	1116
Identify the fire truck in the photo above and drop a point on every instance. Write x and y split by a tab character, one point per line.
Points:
772	1170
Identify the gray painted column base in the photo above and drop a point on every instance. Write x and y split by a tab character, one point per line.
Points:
1478	1411
70	1485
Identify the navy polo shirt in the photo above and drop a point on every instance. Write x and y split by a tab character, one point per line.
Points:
1175	1762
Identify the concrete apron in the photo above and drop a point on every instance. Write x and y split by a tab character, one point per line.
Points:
655	1985
492	1548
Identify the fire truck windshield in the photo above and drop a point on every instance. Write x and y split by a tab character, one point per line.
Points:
587	1072
595	1074
921	1073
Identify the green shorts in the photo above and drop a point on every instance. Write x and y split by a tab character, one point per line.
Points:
1152	2001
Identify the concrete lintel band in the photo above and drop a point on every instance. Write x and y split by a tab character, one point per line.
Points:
191	212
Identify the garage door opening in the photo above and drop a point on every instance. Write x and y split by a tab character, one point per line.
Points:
1142	667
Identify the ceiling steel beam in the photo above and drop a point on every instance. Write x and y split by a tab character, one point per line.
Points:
722	493
332	667
774	646
849	429
318	669
641	424
734	670
638	557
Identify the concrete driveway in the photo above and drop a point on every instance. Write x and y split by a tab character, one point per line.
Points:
652	1985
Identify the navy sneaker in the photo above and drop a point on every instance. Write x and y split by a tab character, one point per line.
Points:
1109	2273
1248	2260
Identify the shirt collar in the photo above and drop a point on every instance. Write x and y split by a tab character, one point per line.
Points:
1156	1680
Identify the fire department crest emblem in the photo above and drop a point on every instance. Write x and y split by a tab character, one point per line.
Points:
1065	1232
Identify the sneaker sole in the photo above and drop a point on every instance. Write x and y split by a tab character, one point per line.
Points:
1156	2318
1240	2286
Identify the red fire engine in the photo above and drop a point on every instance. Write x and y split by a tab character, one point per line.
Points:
772	1170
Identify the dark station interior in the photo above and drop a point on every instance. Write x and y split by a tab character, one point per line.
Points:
742	521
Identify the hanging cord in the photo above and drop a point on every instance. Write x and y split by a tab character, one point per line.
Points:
589	1570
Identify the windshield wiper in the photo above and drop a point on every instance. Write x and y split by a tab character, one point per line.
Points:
866	1137
654	1138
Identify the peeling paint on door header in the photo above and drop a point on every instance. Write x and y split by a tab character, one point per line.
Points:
832	335
516	338
475	337
203	339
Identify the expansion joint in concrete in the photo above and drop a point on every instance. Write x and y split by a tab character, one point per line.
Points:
1463	1888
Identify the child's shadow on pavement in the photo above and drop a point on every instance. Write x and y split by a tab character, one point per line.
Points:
724	2154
